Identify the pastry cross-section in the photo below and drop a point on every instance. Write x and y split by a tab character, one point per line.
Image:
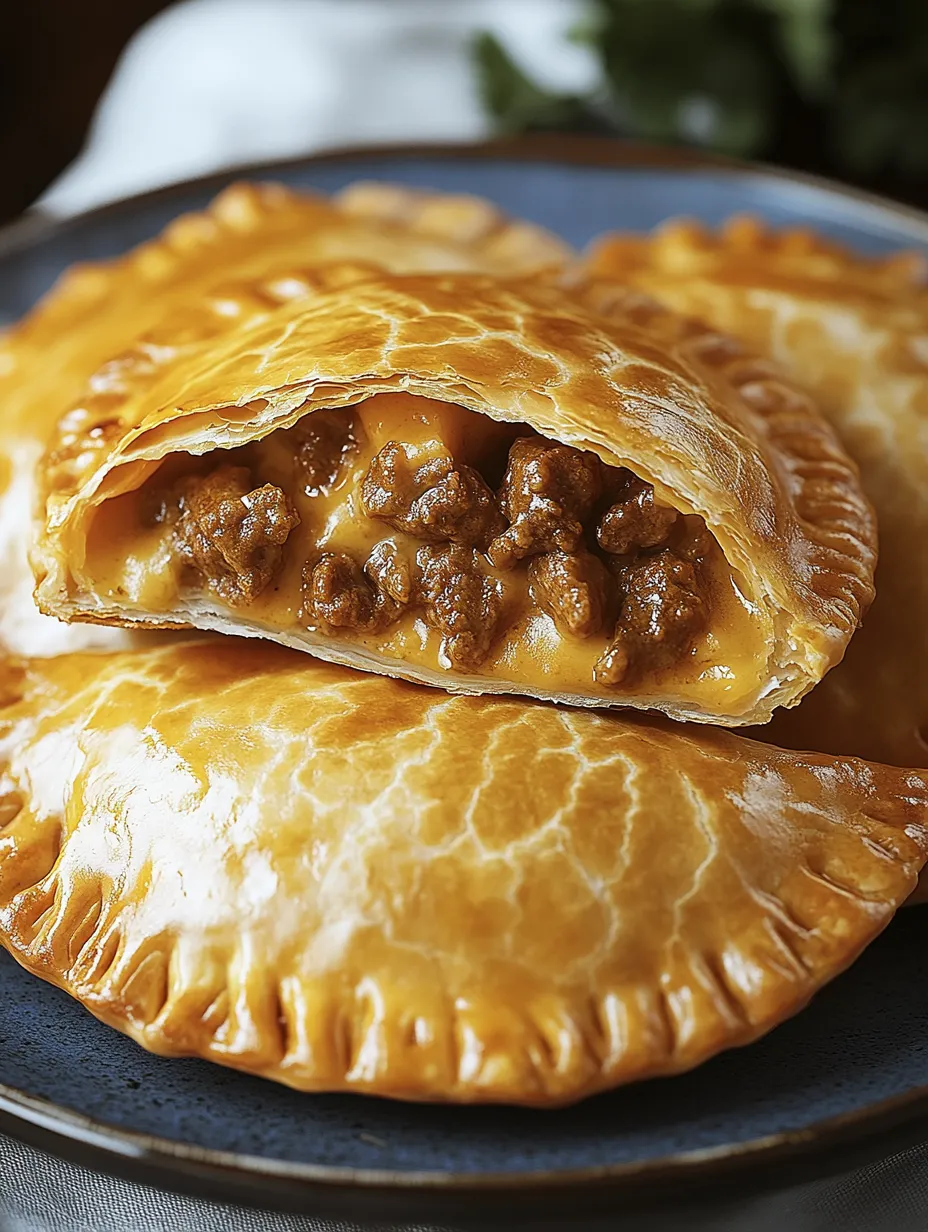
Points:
487	485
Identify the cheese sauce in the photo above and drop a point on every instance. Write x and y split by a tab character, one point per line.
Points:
138	566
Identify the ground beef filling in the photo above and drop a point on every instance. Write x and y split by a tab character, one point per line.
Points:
663	610
228	532
323	443
573	588
460	601
435	500
548	492
446	582
634	521
339	593
602	557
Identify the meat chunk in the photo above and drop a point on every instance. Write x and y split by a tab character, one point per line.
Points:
337	592
392	568
436	500
635	520
460	601
322	442
547	493
231	533
446	580
572	587
662	612
693	540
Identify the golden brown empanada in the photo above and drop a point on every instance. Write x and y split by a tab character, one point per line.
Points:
184	842
856	333
344	882
117	324
489	486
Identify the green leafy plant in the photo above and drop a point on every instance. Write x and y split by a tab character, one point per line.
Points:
837	85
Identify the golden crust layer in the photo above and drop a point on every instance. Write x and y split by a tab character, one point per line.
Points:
717	433
332	897
247	253
855	332
116	325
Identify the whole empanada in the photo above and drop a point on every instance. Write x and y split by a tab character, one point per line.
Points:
345	882
490	486
855	332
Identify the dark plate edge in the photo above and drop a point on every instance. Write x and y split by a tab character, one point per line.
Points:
579	150
691	1179
825	1149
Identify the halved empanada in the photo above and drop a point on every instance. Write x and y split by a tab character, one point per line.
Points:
855	332
504	487
344	882
115	325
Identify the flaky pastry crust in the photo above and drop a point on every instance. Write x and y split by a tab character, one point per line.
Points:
717	433
332	895
115	325
855	332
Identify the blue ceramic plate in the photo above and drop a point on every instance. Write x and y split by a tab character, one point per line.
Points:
845	1081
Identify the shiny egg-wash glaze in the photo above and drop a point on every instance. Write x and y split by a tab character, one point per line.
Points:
334	897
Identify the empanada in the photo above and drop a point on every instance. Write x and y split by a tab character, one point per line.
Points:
115	323
489	486
230	850
345	882
855	332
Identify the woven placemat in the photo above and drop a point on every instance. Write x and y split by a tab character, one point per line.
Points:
41	1194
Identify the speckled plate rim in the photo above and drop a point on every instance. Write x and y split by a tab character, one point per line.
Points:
825	1148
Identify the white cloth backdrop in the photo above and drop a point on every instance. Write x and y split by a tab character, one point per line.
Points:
209	83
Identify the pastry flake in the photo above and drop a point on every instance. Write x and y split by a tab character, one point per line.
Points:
855	332
487	485
370	886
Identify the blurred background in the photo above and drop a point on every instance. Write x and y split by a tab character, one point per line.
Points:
106	97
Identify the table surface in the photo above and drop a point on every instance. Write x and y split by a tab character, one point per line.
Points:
41	1194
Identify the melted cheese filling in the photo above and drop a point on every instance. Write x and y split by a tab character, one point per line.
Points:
137	566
